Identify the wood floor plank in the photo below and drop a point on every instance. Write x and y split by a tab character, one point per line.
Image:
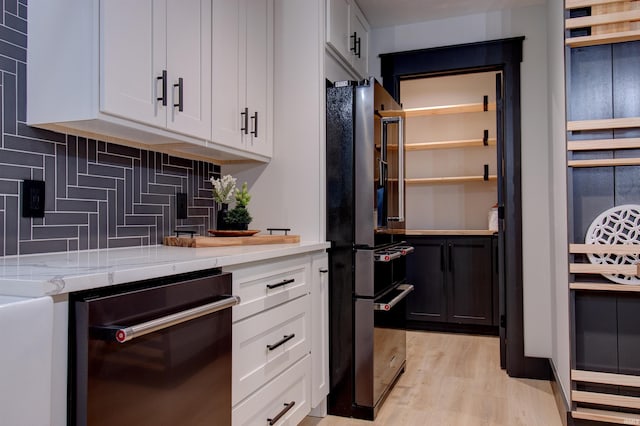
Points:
456	380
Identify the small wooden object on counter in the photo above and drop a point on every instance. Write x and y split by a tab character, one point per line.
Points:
198	242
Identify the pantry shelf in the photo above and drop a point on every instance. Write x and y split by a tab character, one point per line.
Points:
605	162
588	268
606	416
603	144
450	109
623	288
466	143
632	249
609	22
449	179
610	123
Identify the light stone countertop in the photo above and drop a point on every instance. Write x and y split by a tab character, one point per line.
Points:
58	273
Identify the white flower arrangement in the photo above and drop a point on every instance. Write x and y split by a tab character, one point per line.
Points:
224	189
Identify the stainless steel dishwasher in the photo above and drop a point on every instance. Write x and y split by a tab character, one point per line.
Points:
154	352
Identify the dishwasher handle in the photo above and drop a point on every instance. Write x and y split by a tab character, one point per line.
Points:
125	334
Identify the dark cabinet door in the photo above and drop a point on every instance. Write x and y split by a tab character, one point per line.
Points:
469	281
426	271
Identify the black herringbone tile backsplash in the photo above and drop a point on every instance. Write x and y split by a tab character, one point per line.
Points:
98	194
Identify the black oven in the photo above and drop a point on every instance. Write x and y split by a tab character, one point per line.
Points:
156	352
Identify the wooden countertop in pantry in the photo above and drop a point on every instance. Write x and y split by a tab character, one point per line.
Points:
449	232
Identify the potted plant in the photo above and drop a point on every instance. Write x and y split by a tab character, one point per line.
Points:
239	217
224	189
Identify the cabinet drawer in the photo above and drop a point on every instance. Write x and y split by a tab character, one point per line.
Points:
292	386
287	278
267	344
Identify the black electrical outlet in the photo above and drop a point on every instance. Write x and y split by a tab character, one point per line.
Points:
181	205
32	198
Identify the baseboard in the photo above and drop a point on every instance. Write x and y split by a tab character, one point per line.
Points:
561	403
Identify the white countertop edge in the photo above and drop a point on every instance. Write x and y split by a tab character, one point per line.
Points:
18	279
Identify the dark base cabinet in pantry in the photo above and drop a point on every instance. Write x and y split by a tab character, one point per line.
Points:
455	283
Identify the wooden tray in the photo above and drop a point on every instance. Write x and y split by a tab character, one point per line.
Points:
197	242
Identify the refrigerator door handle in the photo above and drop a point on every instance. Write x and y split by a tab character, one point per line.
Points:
400	121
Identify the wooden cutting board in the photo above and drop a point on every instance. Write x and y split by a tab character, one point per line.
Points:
197	242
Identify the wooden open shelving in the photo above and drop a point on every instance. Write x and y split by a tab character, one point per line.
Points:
603	144
610	21
449	179
589	268
624	288
617	402
604	248
466	143
450	109
609	123
613	162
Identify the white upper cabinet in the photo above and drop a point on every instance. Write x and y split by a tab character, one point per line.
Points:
156	63
347	35
169	75
243	75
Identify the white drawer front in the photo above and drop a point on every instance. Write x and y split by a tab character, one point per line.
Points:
291	386
289	279
254	363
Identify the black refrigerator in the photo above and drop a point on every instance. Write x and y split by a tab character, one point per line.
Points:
365	225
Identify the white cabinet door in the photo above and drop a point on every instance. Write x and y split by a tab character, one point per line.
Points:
338	26
228	64
359	29
259	75
133	56
189	66
320	329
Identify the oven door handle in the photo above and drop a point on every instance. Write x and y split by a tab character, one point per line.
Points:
406	289
125	334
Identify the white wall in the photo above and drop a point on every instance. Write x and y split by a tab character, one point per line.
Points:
558	191
530	22
289	191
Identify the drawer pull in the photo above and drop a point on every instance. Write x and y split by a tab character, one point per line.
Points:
284	340
284	411
280	284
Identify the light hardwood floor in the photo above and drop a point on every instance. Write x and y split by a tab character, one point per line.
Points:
456	380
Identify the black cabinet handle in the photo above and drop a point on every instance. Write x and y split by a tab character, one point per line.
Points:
358	47
244	115
284	340
254	119
163	98
280	284
354	37
450	258
180	87
286	408
441	257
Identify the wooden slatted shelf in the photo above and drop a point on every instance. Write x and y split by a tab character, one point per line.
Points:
603	144
609	18
610	22
605	378
605	162
624	288
449	232
466	143
610	123
606	399
449	109
606	416
588	268
449	179
604	248
577	4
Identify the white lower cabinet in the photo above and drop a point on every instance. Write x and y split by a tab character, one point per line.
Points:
287	396
279	339
267	344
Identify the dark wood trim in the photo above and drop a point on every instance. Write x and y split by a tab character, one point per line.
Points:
498	55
